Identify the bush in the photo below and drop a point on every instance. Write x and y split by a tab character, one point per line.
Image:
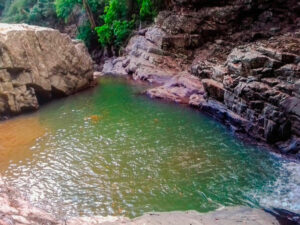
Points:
105	35
116	10
29	11
65	7
147	11
121	31
85	34
116	18
17	11
42	10
119	19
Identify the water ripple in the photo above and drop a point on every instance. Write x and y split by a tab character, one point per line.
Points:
139	156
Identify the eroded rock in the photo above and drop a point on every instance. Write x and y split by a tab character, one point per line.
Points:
38	64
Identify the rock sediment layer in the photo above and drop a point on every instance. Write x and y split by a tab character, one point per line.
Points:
38	64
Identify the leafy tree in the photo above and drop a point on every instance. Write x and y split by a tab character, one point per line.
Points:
116	28
17	11
29	11
119	19
85	33
42	10
121	31
116	10
65	7
105	35
2	5
147	11
108	21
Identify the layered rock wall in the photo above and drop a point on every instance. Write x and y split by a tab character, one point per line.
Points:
259	83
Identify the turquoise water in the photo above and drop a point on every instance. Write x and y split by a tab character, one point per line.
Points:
111	151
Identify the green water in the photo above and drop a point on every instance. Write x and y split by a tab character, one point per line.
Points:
110	151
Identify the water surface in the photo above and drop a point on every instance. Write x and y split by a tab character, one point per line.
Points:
110	151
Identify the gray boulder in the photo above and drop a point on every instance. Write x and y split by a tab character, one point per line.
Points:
38	64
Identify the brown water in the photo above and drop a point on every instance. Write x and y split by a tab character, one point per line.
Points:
109	151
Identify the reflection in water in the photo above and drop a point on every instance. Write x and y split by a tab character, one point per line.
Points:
16	138
111	152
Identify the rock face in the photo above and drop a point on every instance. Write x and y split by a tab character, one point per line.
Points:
38	64
235	60
259	84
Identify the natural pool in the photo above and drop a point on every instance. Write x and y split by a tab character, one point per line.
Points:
109	151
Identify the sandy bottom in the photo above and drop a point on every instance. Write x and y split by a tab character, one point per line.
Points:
16	137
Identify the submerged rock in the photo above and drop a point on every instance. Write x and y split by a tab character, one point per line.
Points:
38	64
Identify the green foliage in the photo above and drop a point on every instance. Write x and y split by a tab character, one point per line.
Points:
18	11
65	7
28	11
42	10
147	11
85	34
119	19
116	10
115	18
121	31
2	5
105	35
116	27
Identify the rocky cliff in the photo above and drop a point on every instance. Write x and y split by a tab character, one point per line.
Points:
38	64
235	60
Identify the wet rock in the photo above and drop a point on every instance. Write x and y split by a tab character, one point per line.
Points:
38	64
291	146
15	210
284	216
179	89
196	100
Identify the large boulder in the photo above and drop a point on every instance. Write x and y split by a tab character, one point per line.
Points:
38	64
